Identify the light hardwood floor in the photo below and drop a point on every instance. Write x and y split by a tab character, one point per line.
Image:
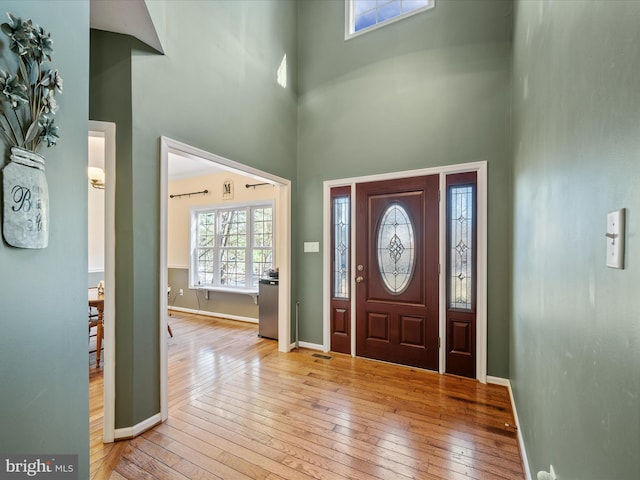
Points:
239	409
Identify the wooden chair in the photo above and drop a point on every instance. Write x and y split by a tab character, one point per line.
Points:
93	322
96	301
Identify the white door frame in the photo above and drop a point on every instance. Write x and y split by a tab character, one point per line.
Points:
107	130
282	253
481	314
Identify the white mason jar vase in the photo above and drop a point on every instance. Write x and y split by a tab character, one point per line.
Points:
26	200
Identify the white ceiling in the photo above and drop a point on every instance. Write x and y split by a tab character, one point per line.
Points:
181	167
130	17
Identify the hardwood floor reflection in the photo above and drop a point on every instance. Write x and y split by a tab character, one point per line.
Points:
103	456
239	409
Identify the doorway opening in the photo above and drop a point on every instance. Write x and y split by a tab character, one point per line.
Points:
105	132
418	326
281	248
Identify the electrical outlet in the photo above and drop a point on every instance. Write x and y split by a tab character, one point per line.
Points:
181	292
550	475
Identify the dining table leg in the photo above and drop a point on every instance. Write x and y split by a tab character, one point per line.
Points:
99	336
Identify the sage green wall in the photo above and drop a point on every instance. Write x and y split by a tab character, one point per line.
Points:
575	364
214	89
110	101
43	306
429	90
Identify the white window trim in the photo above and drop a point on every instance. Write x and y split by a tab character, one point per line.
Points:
349	24
193	212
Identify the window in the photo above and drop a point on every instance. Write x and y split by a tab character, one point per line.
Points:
461	232
396	248
231	247
364	15
340	214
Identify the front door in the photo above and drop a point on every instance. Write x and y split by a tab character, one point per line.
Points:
397	271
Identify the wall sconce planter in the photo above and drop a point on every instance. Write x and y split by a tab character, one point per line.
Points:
27	107
26	200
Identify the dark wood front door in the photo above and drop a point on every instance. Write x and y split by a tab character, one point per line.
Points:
397	271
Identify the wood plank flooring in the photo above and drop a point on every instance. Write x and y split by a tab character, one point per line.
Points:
239	409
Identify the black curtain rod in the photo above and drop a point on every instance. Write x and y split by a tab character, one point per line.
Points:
203	192
254	185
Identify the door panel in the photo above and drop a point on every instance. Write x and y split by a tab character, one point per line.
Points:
378	327
460	337
397	277
412	331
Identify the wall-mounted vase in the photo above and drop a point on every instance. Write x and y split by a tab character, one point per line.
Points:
26	200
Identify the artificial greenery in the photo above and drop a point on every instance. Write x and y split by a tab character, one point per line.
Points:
27	98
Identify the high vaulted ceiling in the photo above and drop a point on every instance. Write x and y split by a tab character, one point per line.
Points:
130	17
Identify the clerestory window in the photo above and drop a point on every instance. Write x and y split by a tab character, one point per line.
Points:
365	15
231	248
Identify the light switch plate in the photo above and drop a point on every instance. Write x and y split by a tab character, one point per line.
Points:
615	239
311	247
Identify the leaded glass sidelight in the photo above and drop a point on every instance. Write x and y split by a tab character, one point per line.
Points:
460	248
396	248
341	251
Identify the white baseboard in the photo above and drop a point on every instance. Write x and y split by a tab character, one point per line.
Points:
505	382
499	381
132	432
312	346
207	313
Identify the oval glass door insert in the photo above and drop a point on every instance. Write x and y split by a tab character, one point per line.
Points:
396	248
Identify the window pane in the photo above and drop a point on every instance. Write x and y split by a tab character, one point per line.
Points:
411	5
232	267
262	263
365	20
396	248
205	266
233	228
387	10
206	229
262	227
460	247
341	250
361	6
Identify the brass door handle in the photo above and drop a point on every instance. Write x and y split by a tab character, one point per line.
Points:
359	279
